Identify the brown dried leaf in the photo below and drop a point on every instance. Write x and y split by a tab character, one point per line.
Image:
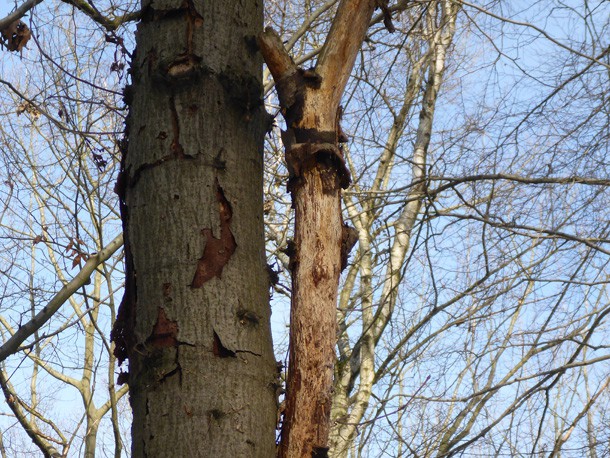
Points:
77	260
15	36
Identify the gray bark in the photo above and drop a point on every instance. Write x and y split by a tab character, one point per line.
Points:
195	319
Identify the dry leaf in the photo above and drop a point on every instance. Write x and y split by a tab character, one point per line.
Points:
15	36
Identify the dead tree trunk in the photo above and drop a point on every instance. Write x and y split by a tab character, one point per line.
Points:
310	101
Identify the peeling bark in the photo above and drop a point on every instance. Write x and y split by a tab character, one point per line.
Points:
122	331
194	322
165	331
310	103
217	251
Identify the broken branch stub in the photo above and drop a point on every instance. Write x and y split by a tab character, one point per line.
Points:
301	157
305	146
276	57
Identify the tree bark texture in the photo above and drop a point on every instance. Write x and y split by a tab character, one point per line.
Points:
194	322
310	105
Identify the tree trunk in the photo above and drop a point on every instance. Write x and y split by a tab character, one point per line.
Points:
310	104
194	322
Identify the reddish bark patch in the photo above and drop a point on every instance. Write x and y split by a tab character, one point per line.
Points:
217	251
220	350
167	291
165	331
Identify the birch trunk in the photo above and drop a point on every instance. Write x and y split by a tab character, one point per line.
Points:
351	407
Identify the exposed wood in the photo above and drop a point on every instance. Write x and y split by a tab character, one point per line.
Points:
312	326
310	101
339	54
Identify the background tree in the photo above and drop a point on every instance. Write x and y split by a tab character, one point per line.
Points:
59	221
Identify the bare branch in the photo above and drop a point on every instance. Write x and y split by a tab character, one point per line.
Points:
82	278
342	45
108	23
18	13
540	31
277	58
